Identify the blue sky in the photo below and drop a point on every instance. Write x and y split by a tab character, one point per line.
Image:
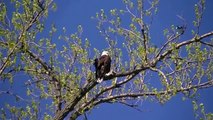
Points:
71	13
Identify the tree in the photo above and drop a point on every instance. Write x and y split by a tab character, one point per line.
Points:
64	75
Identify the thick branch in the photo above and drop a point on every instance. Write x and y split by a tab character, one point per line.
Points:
85	106
70	106
126	73
60	115
51	73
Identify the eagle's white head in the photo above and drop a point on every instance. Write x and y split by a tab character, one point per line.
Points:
105	53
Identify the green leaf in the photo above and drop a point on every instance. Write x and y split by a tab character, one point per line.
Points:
195	106
54	6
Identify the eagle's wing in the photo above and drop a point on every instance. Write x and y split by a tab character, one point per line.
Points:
101	62
107	64
96	63
102	66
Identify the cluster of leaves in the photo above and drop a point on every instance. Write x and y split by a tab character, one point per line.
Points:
62	73
20	22
200	111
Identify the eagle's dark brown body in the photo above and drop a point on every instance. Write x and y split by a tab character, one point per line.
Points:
102	66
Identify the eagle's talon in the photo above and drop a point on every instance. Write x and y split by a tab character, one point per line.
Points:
99	80
109	73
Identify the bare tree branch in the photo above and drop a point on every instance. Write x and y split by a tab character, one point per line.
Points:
135	95
205	43
187	42
15	95
162	74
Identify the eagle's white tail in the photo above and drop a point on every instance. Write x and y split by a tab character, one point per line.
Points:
99	80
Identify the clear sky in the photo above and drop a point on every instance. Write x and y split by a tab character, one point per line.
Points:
71	13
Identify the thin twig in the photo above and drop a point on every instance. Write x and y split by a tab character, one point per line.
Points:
134	95
162	74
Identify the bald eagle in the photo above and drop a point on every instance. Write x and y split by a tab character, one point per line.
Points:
102	66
